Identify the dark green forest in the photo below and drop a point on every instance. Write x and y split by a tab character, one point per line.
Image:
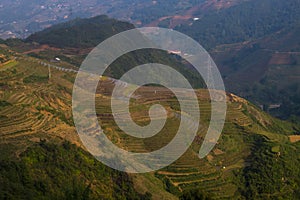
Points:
80	33
48	170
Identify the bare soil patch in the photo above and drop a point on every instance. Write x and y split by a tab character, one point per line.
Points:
294	138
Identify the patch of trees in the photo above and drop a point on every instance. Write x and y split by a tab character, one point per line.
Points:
194	194
35	79
272	175
62	171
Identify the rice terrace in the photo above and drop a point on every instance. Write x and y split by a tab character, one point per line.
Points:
37	107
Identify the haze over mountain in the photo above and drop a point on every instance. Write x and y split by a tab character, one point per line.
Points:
23	17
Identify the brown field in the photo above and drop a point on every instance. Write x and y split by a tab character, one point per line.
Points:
294	138
280	59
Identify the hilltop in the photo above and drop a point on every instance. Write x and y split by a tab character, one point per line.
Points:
80	33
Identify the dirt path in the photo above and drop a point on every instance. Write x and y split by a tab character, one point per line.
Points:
41	48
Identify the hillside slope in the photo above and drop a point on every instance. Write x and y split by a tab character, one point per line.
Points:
254	157
37	159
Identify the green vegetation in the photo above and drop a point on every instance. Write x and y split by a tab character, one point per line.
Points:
56	113
271	26
5	56
140	57
13	42
35	79
272	174
194	195
62	171
4	104
80	32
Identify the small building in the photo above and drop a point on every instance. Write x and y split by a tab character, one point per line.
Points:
274	106
174	52
55	60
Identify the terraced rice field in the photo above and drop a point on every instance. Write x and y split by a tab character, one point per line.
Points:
210	174
40	108
37	109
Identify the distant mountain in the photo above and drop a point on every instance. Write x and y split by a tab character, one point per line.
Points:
265	71
22	18
79	32
246	21
256	45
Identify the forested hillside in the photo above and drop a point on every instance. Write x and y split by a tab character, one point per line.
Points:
249	20
80	33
